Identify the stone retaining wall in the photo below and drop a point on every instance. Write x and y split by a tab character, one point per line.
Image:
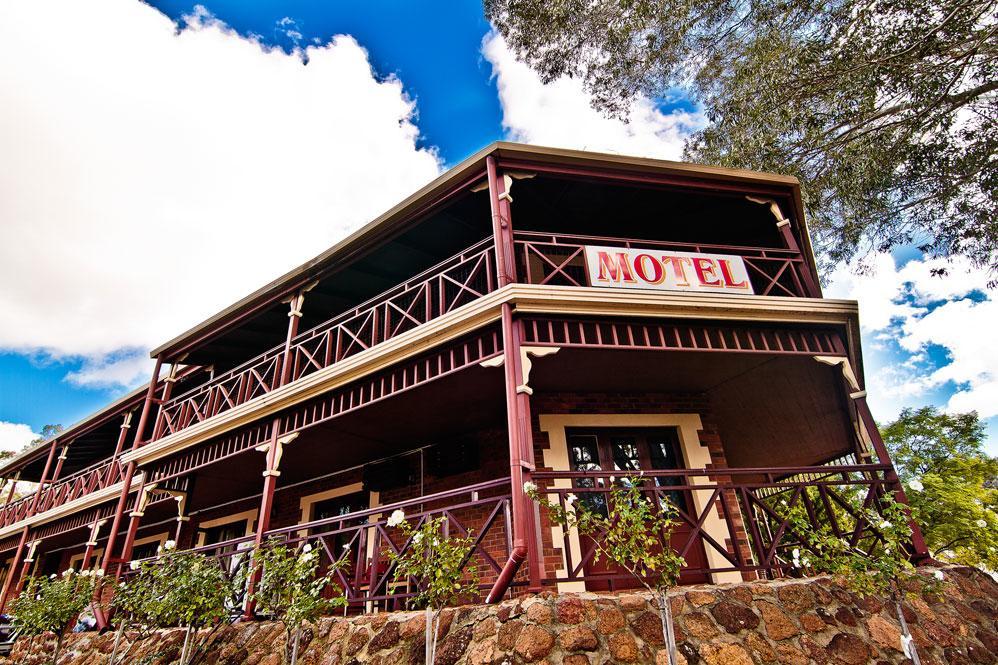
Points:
792	621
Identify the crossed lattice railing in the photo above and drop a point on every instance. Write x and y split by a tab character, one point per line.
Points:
368	580
544	258
732	520
453	283
99	476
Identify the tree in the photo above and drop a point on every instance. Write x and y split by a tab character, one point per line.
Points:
178	588
630	530
48	433
440	566
885	110
878	564
51	603
291	589
952	484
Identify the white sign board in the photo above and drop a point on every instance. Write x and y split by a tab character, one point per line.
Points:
666	270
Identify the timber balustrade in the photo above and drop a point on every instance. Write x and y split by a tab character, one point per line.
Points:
544	258
96	477
481	511
457	281
753	504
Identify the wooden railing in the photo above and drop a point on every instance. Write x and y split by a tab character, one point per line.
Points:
750	508
480	511
96	477
559	259
457	281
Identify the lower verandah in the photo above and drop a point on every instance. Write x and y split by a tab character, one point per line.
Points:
443	449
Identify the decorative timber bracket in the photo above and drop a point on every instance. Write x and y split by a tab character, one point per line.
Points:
274	469
526	364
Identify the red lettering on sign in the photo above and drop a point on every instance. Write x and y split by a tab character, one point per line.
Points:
729	281
642	262
679	264
705	272
616	269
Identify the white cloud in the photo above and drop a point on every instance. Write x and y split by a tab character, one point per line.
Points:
941	328
124	368
559	114
14	436
150	177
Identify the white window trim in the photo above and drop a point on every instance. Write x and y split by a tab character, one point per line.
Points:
248	515
695	456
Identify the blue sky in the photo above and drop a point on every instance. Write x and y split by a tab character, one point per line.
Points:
165	152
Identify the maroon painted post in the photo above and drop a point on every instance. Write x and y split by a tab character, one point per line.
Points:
891	476
271	471
59	462
13	488
8	583
119	512
126	424
44	478
521	449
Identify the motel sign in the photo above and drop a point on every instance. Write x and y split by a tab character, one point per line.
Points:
637	268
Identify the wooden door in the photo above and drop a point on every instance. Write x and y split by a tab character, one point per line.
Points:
631	450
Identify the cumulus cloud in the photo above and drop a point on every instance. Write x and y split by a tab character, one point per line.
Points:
559	114
151	176
14	436
934	331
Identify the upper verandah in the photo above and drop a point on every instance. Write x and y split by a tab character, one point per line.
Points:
563	192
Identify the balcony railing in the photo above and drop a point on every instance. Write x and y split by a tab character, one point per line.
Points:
96	477
542	259
754	506
559	259
457	281
364	538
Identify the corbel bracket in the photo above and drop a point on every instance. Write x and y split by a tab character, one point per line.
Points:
526	364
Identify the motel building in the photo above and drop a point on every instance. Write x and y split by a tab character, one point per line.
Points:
533	314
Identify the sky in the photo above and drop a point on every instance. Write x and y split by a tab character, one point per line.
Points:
150	153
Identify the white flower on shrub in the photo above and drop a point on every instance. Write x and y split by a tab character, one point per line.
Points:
99	572
68	572
570	499
170	545
939	575
417	537
982	524
529	487
396	518
134	565
886	524
916	484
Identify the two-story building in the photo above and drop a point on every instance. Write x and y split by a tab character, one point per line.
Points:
533	314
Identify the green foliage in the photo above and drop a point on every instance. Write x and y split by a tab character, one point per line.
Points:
440	565
48	433
876	565
885	111
633	533
950	482
291	588
50	603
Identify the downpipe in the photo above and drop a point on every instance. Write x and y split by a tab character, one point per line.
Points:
516	559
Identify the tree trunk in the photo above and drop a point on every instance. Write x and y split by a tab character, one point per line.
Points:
294	649
665	614
58	647
909	645
117	641
183	652
430	637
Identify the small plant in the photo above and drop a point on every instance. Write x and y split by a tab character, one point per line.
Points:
438	564
51	603
632	531
186	589
291	589
882	568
